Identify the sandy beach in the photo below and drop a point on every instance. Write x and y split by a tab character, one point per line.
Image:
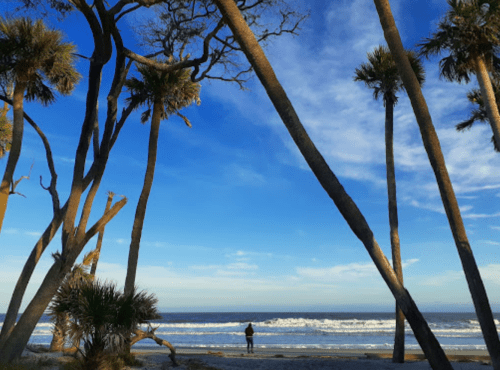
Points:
277	359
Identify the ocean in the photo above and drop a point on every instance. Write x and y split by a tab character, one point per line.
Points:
457	331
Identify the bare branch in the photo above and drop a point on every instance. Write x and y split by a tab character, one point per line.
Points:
50	161
15	183
126	12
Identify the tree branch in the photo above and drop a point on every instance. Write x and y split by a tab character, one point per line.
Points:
50	161
141	334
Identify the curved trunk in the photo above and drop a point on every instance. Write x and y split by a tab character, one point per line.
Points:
488	94
433	148
15	148
398	354
140	211
329	181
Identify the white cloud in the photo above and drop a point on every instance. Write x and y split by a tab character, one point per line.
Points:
342	273
347	125
33	233
481	215
444	279
489	242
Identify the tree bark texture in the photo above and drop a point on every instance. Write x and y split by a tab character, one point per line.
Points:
15	148
140	211
490	103
436	158
59	333
398	354
329	181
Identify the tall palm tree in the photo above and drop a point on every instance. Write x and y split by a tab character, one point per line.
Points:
469	33
436	158
381	75
164	94
351	213
31	55
479	114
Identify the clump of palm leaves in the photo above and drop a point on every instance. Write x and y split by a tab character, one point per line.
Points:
100	317
78	275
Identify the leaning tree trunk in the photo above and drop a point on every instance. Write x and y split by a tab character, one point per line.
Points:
329	181
24	278
140	211
488	94
433	148
15	148
398	354
15	344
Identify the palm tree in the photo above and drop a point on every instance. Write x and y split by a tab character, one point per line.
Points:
469	33
381	74
101	316
31	54
436	158
164	94
479	114
351	213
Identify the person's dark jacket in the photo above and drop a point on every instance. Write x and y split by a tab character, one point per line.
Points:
249	331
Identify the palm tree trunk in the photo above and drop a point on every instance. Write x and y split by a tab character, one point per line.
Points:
488	94
15	149
433	148
140	211
398	354
329	181
59	333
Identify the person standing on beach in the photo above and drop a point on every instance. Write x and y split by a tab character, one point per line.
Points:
249	335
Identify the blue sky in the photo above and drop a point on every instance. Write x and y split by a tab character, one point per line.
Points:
236	221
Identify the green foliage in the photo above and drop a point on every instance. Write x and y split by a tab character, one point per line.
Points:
381	74
101	316
174	90
31	53
478	114
5	131
469	29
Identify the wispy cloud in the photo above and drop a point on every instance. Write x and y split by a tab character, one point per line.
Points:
481	215
350	272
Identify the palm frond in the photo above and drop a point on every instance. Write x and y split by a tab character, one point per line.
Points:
174	89
31	53
380	73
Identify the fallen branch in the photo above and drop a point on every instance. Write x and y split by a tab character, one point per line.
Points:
141	334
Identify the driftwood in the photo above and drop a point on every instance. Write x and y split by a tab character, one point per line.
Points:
141	334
